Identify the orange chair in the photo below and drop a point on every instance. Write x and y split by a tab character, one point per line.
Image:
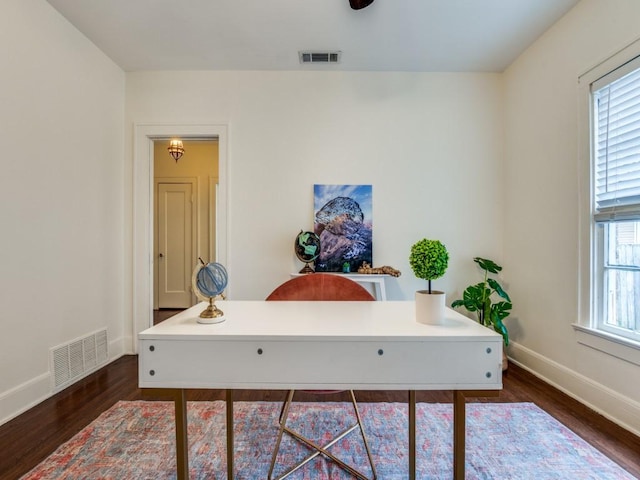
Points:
320	286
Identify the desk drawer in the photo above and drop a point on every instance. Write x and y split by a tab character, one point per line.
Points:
321	364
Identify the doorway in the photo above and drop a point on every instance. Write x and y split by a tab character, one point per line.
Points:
184	218
143	259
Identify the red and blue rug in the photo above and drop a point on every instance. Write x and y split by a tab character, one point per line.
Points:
135	440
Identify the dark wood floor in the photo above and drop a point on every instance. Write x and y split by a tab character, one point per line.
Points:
28	439
164	313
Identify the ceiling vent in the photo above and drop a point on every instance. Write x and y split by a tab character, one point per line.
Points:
320	57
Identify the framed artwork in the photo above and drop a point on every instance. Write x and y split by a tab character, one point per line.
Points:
343	221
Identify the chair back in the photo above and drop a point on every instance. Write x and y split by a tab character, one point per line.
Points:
320	286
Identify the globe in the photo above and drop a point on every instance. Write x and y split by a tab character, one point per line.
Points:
307	249
208	281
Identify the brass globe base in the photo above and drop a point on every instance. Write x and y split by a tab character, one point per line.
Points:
307	269
211	314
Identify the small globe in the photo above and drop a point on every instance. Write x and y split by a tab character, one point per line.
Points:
307	246
209	280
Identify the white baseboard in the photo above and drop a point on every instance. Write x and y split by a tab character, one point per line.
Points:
618	408
21	398
116	349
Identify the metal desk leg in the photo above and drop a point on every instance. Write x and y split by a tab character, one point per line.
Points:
459	432
182	440
412	434
229	434
459	426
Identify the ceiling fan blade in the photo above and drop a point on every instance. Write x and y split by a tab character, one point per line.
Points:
358	4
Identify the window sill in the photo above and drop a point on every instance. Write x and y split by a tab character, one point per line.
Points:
613	345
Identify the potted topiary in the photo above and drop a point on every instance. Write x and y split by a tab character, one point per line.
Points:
478	298
429	260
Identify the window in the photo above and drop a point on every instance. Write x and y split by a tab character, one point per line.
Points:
615	134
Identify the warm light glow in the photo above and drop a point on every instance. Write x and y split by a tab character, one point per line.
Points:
176	149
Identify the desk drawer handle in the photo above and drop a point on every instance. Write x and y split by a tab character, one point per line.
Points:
259	351
152	372
380	352
152	348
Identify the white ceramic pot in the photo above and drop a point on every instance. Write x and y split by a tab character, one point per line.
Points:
430	307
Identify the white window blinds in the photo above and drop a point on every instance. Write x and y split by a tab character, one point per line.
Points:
616	109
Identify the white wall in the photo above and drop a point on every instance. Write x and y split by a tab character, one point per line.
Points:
430	144
61	196
541	234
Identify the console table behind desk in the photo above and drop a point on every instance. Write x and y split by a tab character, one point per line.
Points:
362	346
375	280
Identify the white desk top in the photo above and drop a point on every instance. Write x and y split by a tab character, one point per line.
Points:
318	321
319	345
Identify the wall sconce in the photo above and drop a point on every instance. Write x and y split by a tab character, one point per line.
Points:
176	149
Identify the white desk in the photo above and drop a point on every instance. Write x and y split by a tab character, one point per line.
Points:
362	346
376	280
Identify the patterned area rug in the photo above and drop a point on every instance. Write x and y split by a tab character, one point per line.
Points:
135	440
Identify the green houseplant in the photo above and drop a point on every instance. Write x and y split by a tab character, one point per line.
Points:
479	298
429	260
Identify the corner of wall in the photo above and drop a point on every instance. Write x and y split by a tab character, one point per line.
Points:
21	398
619	409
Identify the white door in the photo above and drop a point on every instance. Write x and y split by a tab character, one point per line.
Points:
175	249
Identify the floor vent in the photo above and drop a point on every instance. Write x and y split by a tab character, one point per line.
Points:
76	359
320	57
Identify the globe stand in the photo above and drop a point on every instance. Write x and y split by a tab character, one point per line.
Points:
307	249
307	269
211	314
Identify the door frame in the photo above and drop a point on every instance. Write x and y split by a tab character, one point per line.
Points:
143	203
